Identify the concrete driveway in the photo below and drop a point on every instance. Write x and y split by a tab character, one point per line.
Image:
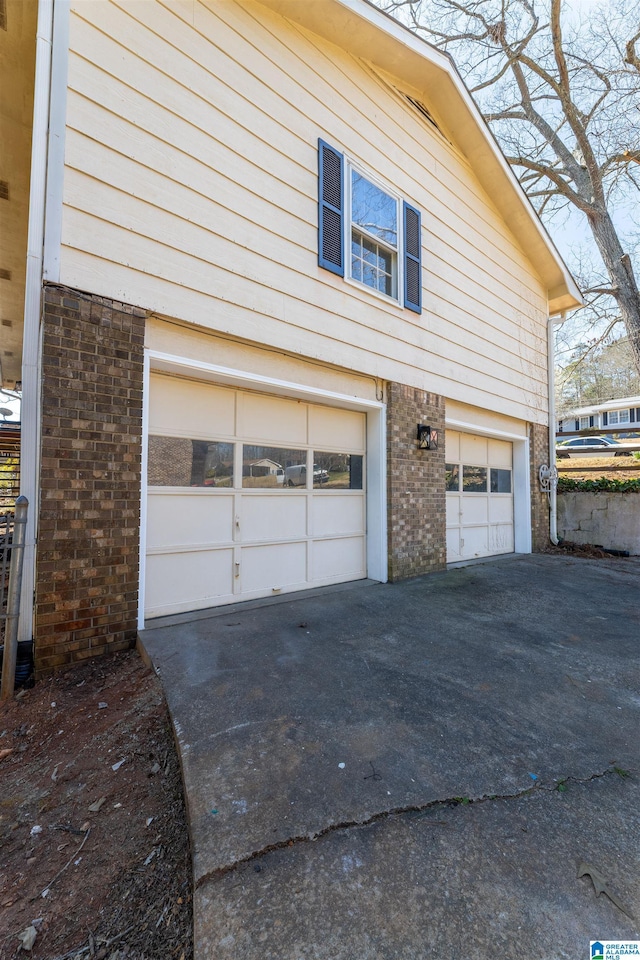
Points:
414	770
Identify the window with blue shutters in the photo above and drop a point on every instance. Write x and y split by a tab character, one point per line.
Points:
366	232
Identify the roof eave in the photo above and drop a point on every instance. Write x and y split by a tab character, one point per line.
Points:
378	38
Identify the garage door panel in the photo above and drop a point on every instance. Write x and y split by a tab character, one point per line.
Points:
279	517
331	514
272	419
500	510
452	446
329	425
273	566
501	538
453	545
174	520
474	510
500	453
187	581
453	509
473	449
341	559
475	542
188	408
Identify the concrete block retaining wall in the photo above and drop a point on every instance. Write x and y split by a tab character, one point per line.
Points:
609	519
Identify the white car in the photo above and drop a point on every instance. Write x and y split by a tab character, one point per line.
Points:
590	447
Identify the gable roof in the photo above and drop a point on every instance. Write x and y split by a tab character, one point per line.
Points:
369	33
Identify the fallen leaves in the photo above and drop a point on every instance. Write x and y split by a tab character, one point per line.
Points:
600	885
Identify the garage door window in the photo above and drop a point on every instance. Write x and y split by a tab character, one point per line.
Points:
474	479
275	467
181	462
500	481
337	471
452	477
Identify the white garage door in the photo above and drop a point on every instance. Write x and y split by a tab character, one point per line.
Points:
249	495
479	481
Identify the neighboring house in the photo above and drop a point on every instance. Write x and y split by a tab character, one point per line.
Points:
608	415
276	231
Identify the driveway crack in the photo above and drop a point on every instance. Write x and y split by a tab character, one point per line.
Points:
393	812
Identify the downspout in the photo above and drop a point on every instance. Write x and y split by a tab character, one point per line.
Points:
548	473
32	334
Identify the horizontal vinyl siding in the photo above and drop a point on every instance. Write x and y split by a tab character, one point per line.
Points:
180	189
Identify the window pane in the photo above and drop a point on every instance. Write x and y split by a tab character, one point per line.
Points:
337	471
613	416
373	210
373	264
474	479
452	476
179	462
500	481
276	467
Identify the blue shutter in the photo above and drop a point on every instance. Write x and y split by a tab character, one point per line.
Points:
590	421
605	419
632	415
330	208
637	414
577	424
412	258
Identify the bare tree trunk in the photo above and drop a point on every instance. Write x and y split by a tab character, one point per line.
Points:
620	270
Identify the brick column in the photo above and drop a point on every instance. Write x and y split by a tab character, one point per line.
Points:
539	452
416	491
88	533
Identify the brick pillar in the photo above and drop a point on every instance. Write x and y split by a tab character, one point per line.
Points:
539	452
88	534
416	491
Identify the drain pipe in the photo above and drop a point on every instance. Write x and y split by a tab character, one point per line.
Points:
548	473
32	337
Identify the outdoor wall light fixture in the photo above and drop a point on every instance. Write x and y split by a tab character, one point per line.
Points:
427	438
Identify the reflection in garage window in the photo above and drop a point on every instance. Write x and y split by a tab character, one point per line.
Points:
474	479
275	467
500	481
180	462
452	476
337	471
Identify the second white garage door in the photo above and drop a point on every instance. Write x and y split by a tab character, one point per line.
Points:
479	482
249	495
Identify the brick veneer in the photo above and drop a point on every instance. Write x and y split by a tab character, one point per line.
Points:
88	535
416	491
539	452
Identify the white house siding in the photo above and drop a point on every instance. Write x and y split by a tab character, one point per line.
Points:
191	184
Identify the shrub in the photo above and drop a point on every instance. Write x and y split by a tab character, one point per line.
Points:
602	484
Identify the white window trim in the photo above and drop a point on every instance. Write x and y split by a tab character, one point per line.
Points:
349	166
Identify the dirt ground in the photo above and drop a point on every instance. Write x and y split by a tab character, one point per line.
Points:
94	848
591	468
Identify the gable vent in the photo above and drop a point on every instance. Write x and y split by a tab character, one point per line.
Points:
420	107
5	274
4	190
7	323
